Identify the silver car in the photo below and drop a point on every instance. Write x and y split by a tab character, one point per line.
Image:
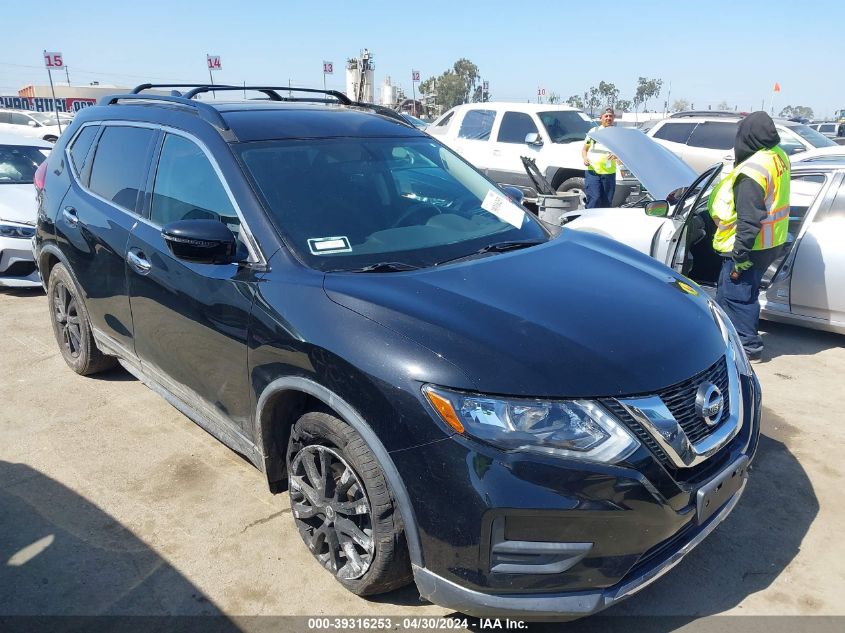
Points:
805	286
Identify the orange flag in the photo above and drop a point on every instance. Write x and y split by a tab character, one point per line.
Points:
777	87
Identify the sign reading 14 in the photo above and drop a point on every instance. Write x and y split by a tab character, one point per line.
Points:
214	62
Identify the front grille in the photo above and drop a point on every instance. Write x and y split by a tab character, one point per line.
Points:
680	400
642	435
19	269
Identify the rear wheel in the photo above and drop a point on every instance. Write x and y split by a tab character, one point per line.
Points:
343	506
575	185
72	327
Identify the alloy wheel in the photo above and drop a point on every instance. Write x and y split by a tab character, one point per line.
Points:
332	511
67	317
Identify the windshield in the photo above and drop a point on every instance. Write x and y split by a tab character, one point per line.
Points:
345	204
18	164
44	118
811	136
566	126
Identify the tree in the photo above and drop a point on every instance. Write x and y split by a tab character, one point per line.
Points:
479	96
554	98
575	101
801	112
646	89
723	106
623	105
680	105
592	100
455	85
609	93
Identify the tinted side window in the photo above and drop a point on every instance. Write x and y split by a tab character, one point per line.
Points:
515	126
188	188
120	164
445	121
477	125
828	128
20	119
675	132
5	117
81	145
837	207
712	135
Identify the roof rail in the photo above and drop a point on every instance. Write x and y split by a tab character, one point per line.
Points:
271	91
709	113
205	111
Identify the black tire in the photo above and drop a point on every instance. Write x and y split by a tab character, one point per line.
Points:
382	563
575	184
71	326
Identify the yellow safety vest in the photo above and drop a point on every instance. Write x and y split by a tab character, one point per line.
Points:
769	168
598	156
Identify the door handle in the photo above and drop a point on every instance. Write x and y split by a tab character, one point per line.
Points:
69	214
138	261
497	152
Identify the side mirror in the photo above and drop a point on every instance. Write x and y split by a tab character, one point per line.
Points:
201	241
657	209
514	194
31	123
533	139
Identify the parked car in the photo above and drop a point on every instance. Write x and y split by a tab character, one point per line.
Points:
41	125
368	319
825	128
822	154
702	139
805	286
493	137
20	157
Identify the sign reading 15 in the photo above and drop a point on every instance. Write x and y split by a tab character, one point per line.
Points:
214	62
53	61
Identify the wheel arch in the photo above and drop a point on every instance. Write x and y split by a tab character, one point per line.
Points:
558	175
48	257
284	400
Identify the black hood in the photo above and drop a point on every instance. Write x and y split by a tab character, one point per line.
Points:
579	316
756	131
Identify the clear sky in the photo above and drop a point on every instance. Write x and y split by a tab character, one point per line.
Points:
710	51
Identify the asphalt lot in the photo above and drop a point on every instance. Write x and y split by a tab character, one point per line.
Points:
112	502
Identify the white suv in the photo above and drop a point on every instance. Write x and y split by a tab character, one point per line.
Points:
494	137
32	124
702	139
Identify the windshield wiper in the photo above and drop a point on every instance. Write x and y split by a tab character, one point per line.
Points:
498	247
386	267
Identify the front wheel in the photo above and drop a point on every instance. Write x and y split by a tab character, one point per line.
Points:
575	185
343	506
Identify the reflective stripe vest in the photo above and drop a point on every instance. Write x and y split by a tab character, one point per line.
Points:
770	169
598	156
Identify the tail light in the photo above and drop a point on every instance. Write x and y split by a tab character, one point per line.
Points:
40	176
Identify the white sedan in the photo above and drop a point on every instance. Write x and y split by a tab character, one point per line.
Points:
20	156
806	285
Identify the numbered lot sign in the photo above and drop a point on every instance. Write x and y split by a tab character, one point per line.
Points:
214	62
53	61
328	68
415	75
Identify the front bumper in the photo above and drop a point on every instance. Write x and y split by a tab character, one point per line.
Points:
17	266
561	605
639	520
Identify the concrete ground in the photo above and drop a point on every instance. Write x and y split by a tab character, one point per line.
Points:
112	502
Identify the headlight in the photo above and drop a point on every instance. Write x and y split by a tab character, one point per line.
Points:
569	428
17	231
731	337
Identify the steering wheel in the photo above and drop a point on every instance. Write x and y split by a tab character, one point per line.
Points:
415	209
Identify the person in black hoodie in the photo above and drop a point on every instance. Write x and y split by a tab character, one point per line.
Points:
751	210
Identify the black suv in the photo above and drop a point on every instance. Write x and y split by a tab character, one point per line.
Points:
522	422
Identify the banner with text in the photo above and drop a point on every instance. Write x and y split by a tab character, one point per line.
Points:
45	104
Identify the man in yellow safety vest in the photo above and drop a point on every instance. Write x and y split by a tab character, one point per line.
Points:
750	207
600	175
